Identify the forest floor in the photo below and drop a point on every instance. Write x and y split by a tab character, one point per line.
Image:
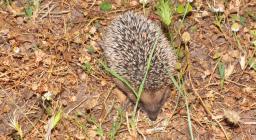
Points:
52	84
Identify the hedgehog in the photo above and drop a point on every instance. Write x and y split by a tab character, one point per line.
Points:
127	43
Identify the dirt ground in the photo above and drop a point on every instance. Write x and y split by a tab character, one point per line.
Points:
50	61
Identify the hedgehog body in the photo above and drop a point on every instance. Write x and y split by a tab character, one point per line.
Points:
127	44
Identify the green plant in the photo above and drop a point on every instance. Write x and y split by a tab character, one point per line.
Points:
105	6
116	124
16	126
238	18
52	123
99	130
180	86
252	63
219	18
221	67
7	2
164	10
87	67
184	9
90	49
32	7
253	34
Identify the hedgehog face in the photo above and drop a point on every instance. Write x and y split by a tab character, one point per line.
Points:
152	101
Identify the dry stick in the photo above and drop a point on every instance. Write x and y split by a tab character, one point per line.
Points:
76	106
48	12
144	138
90	22
215	67
206	109
111	89
128	124
92	5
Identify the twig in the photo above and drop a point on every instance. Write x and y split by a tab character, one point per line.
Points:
76	106
206	109
48	12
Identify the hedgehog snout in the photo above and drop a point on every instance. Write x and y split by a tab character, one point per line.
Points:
152	101
152	114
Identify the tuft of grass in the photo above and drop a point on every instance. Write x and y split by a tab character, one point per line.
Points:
181	89
7	2
116	124
87	67
252	63
16	126
99	130
32	8
90	49
164	10
105	6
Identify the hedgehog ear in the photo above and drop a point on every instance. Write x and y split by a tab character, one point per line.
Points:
125	89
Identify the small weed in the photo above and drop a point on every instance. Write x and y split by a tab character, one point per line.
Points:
77	121
180	86
238	18
32	8
29	11
90	49
219	18
116	124
184	9
99	130
252	63
7	2
251	14
105	6
87	67
235	28
164	10
16	126
253	34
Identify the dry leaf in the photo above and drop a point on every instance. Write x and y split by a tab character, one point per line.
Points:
89	104
229	70
39	55
93	30
34	86
242	62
